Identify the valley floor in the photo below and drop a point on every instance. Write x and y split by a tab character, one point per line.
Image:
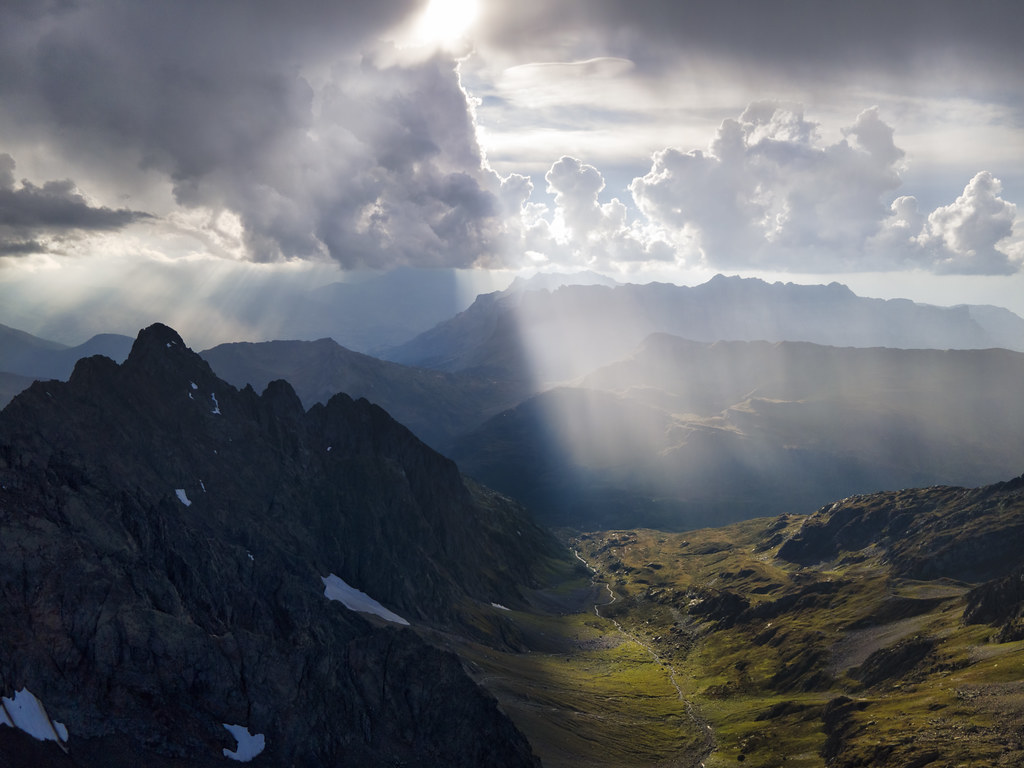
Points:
704	649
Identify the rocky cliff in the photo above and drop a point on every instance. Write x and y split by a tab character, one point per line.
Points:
163	543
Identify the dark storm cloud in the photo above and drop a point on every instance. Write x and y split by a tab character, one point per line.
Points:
55	207
808	39
271	110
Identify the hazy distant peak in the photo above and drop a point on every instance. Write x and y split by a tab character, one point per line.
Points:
551	281
722	282
9	337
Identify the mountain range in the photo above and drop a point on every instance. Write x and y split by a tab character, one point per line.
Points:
192	572
546	336
173	551
668	430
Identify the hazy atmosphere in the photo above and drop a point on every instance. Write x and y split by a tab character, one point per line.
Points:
207	164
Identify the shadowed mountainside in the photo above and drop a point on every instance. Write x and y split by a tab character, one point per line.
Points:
685	434
163	547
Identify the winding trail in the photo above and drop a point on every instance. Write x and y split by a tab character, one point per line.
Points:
702	725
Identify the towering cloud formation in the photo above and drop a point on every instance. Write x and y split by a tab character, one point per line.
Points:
276	132
278	116
771	194
964	236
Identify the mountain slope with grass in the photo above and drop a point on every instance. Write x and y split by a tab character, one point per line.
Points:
883	630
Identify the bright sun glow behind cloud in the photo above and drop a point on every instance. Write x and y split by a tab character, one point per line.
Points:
445	22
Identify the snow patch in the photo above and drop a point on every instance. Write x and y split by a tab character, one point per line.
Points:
216	405
250	556
336	589
500	607
249	745
180	493
27	713
329	448
202	486
193	385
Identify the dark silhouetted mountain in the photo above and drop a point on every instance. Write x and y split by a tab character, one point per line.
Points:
685	434
36	358
164	540
436	406
551	336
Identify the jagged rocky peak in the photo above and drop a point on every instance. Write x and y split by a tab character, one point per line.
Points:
178	556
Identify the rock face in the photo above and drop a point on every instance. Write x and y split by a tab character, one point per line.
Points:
163	539
968	534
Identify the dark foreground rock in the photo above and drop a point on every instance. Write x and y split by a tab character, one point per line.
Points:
163	540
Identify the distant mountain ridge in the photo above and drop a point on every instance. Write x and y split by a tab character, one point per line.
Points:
27	355
552	336
165	543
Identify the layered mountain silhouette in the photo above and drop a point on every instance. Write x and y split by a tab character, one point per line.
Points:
685	434
30	356
167	541
551	336
436	406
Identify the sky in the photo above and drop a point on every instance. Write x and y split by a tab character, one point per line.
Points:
159	160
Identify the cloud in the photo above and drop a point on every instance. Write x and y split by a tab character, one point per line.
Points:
775	40
961	237
322	142
28	213
279	133
769	193
592	233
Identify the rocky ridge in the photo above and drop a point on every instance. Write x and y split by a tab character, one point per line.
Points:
164	540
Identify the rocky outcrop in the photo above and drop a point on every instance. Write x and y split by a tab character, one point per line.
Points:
163	539
968	534
999	602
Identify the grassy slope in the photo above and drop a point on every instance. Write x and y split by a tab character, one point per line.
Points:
838	664
775	687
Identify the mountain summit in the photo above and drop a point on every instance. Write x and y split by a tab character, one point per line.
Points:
178	556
